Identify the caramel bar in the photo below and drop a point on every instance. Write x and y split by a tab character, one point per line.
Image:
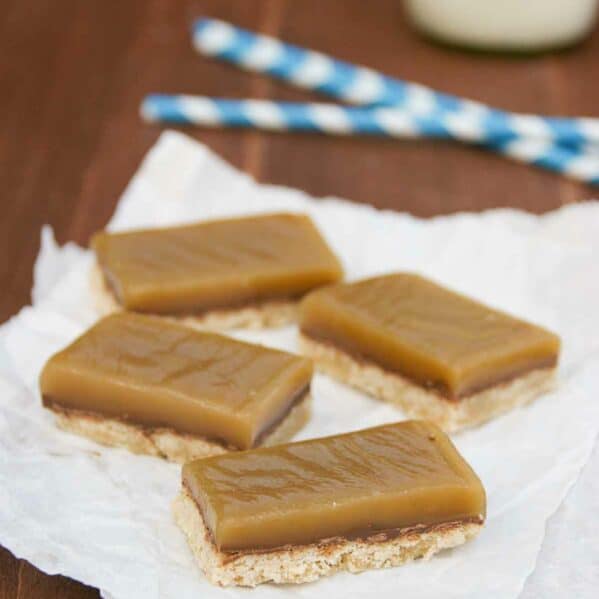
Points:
369	499
217	274
161	388
436	354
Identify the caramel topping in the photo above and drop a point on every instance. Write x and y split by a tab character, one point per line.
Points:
356	484
440	339
149	371
217	264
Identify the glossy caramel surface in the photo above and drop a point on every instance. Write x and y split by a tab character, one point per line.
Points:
440	339
215	264
356	484
146	370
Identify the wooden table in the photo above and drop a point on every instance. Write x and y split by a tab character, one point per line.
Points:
72	74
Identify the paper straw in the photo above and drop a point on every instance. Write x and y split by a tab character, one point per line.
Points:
350	120
363	86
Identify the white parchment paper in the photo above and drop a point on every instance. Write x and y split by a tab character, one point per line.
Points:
102	515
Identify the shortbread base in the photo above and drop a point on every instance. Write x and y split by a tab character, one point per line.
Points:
418	402
165	442
305	563
268	314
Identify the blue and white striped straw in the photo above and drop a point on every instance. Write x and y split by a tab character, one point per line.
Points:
364	86
351	120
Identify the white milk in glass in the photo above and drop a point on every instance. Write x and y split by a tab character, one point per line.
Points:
512	25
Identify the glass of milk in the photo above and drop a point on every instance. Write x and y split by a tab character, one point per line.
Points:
512	25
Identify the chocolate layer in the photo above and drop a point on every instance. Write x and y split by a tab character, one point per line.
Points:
367	535
437	387
229	305
55	405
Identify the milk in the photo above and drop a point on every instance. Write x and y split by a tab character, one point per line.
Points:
505	24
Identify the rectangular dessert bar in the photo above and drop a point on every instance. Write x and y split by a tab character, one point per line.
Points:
161	388
435	353
373	498
217	274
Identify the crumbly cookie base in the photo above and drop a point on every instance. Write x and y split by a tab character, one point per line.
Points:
164	442
305	563
418	402
271	314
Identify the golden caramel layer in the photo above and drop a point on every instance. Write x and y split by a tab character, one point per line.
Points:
217	264
356	484
145	370
438	338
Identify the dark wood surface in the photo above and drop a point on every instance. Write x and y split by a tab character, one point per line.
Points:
72	74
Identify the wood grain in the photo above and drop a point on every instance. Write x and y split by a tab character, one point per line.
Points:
72	74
